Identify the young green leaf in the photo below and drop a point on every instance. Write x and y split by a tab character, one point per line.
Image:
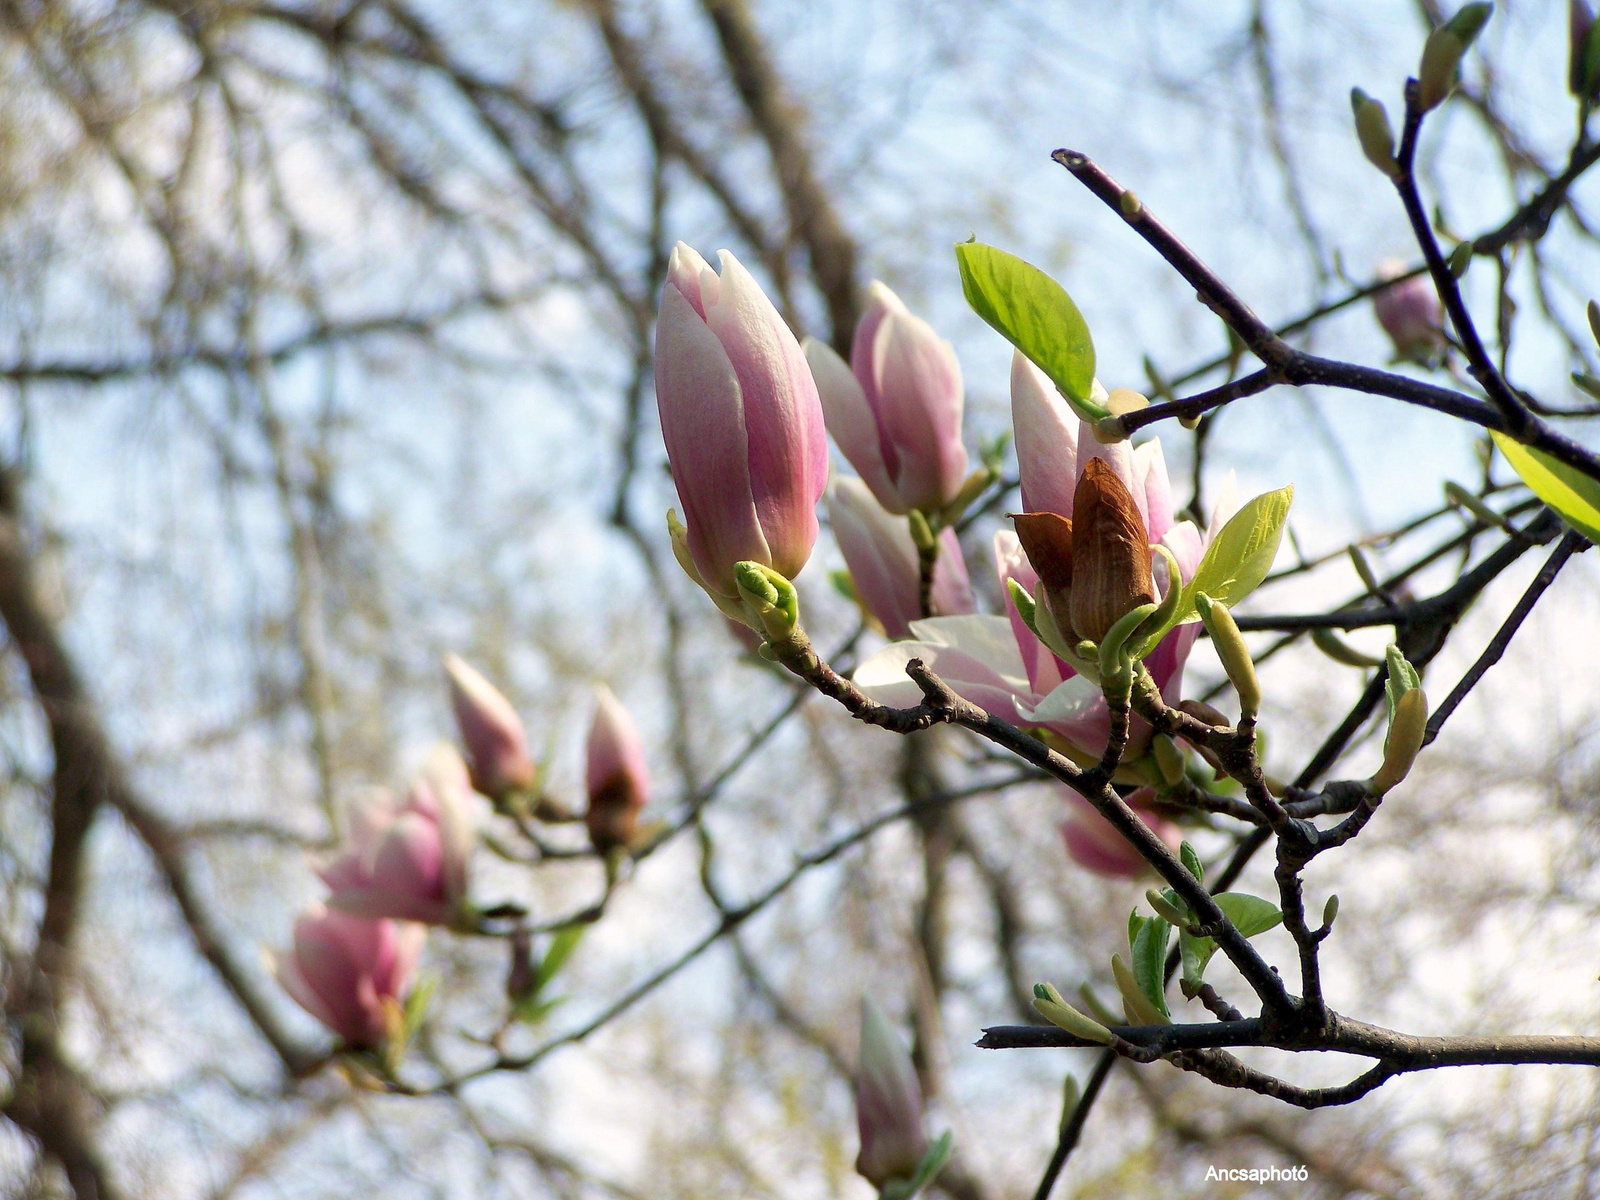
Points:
1574	496
1034	313
1402	678
1237	560
1250	914
416	1007
1149	952
932	1163
1136	1005
556	954
1191	861
1240	556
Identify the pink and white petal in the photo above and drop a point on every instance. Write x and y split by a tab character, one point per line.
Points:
1044	670
877	548
919	409
881	301
1187	546
850	420
444	775
1047	440
703	424
1167	660
952	586
1150	465
303	994
1119	457
786	437
685	268
975	655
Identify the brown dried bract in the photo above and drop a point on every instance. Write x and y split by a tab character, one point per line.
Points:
1046	539
1110	552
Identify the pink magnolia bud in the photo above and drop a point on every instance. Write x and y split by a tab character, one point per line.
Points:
888	1102
616	775
352	973
884	564
408	860
895	411
1095	845
1410	314
497	745
741	419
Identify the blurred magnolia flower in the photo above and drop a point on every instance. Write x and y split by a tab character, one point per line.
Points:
616	774
884	564
352	973
1094	843
895	409
742	422
497	745
888	1102
1410	314
408	859
999	663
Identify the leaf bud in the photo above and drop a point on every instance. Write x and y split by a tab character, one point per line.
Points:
1374	132
1136	1006
1442	53
1407	728
1058	1012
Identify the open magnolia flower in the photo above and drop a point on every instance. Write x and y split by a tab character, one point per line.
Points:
1099	529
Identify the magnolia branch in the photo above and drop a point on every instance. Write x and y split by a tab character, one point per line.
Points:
1285	364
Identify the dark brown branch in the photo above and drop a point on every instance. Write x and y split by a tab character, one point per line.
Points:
1571	543
1287	365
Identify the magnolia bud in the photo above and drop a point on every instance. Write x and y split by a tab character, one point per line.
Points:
616	775
895	408
1374	132
742	421
888	1103
408	859
497	745
352	973
1410	314
1441	54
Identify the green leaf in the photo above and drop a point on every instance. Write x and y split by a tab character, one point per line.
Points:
1236	561
556	954
932	1163
530	1010
1250	914
1574	496
1149	951
1195	953
1402	678
1240	556
416	1007
1034	313
1191	861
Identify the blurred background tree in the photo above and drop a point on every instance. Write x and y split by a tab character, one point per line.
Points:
326	332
